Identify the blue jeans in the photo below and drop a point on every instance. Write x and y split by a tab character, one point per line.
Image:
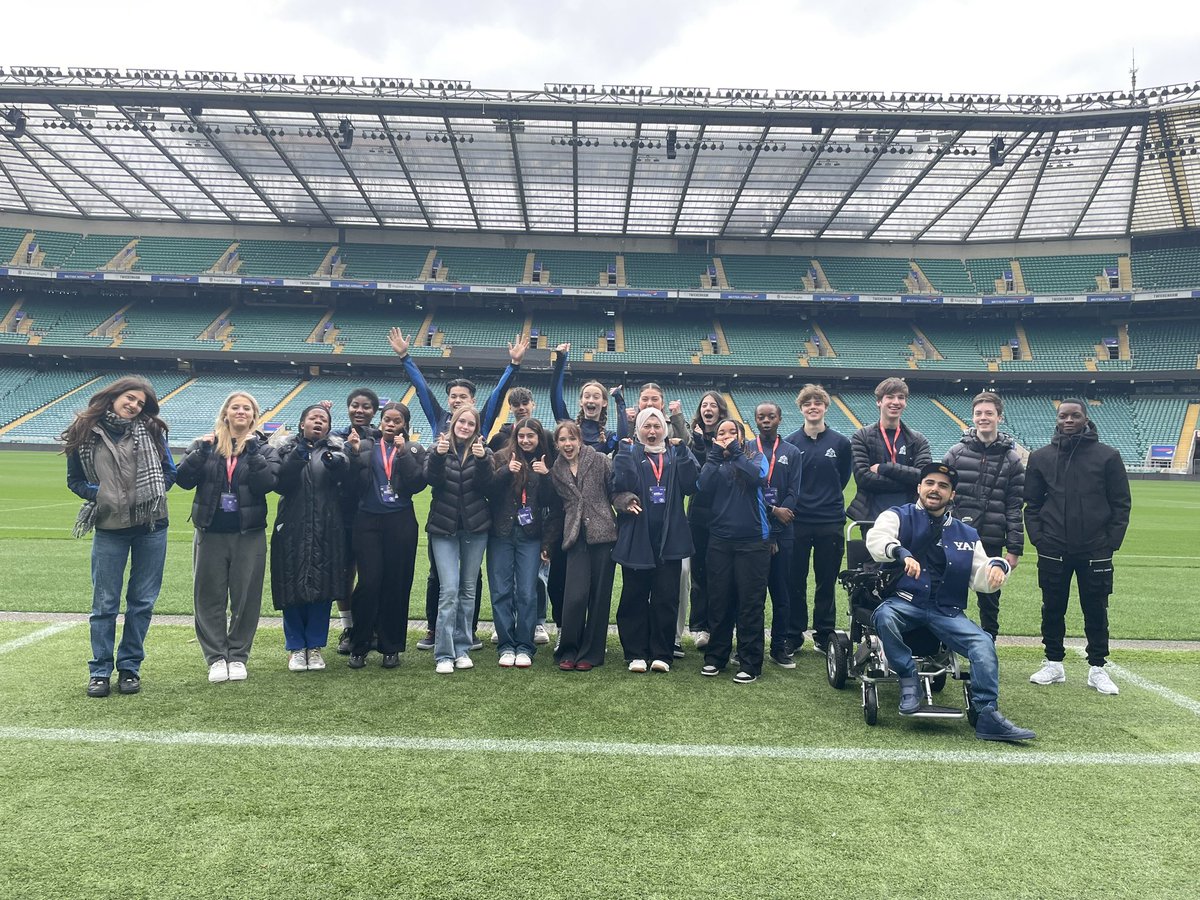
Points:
306	625
458	558
110	552
895	616
513	563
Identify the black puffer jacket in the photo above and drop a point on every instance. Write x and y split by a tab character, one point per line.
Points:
1076	496
991	479
896	482
308	545
539	495
460	486
204	469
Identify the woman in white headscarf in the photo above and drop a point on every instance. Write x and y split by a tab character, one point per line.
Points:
650	480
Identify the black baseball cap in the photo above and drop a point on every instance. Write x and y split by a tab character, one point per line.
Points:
941	469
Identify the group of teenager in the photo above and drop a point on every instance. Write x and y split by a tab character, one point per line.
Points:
706	517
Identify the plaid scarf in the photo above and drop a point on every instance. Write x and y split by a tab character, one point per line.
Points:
150	484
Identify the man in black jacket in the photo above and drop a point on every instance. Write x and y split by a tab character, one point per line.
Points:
888	456
1076	513
991	478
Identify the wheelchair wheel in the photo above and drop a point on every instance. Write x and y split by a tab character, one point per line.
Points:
937	683
835	662
870	704
972	711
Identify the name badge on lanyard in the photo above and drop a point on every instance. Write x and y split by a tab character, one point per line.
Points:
229	501
524	512
770	493
658	493
770	496
386	494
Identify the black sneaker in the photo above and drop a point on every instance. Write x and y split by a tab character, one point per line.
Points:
744	678
390	660
710	671
782	659
99	687
343	647
357	661
677	651
821	647
128	682
426	643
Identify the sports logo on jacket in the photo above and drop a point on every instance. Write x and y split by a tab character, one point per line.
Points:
831	453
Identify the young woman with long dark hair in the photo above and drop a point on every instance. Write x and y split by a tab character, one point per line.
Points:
119	463
232	469
518	496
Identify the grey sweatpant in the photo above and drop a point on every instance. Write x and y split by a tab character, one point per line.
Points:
228	574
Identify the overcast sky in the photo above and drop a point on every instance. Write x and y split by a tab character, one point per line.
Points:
1017	46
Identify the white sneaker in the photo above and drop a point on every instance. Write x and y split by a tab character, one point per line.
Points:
701	639
1049	673
524	661
508	659
540	634
297	661
660	666
495	637
637	665
316	662
1099	679
464	662
218	672
444	667
237	671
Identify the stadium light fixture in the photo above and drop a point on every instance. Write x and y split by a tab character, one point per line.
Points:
17	119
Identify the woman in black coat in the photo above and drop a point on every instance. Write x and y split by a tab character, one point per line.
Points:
308	547
653	539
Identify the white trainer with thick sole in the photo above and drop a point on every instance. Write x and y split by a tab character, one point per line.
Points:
1099	679
297	661
1049	673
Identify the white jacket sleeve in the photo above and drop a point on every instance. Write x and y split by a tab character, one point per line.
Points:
979	568
884	537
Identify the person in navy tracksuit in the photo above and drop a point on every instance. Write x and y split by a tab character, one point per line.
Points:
653	538
780	493
739	551
459	392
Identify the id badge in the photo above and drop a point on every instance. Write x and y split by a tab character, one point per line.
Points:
229	502
524	516
386	494
658	493
770	496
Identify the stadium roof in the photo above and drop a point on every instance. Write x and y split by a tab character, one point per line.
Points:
218	147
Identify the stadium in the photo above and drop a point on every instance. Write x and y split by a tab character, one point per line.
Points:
217	230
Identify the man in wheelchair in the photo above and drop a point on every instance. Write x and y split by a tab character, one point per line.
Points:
943	558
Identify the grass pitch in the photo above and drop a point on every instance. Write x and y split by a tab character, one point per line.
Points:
503	783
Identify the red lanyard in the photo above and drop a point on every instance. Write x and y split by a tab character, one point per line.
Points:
771	467
386	458
656	469
890	444
230	466
524	501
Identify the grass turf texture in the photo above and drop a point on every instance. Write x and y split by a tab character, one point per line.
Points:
1156	570
137	819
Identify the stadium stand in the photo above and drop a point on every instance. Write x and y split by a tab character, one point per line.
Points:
862	274
583	329
948	276
170	325
966	345
482	265
987	271
185	256
1173	344
10	242
285	259
1166	268
766	273
56	246
477	327
23	390
1072	274
655	338
667	271
276	329
865	343
365	331
383	262
190	412
1062	345
574	268
66	321
763	341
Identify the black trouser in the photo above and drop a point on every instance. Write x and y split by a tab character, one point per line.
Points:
737	592
433	592
698	596
385	550
556	584
586	603
1094	576
826	542
648	611
777	584
989	604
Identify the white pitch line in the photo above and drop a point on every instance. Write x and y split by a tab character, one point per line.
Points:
1146	684
1012	757
35	636
42	506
